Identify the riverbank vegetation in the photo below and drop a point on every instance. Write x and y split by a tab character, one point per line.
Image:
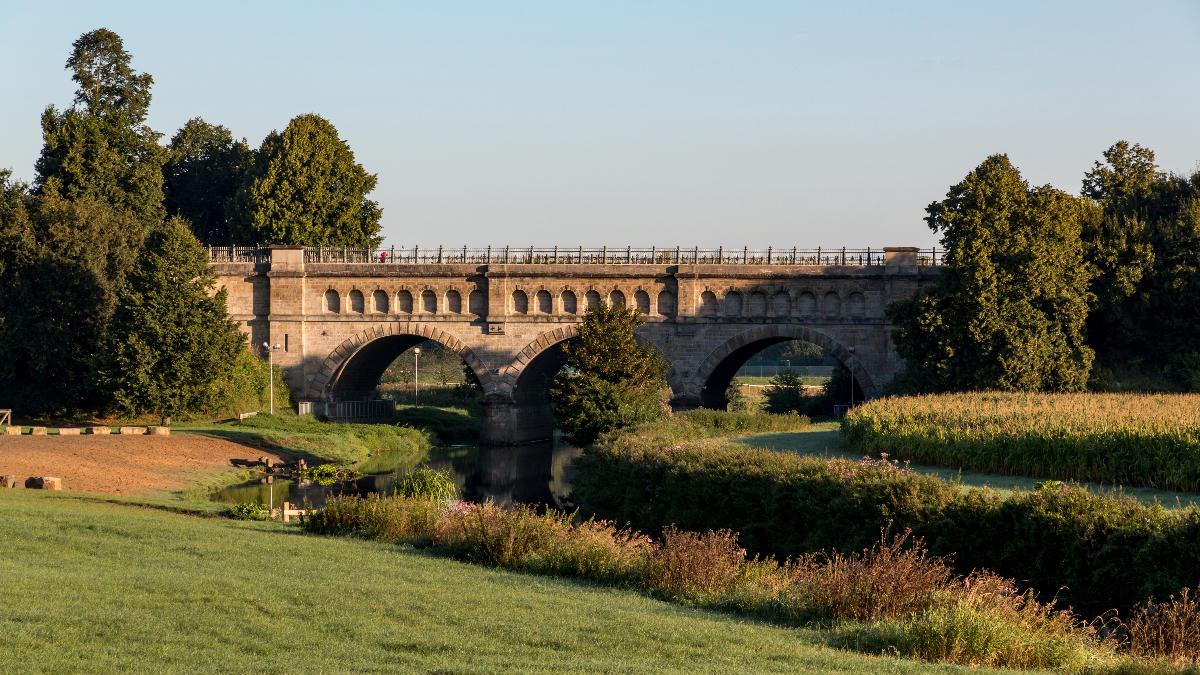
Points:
306	437
890	597
1126	439
1093	551
211	595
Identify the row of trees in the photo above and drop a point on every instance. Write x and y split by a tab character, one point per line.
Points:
109	300
1039	284
300	187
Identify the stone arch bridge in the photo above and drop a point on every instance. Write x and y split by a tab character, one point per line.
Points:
341	316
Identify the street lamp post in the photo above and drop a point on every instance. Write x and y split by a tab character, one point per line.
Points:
416	376
851	382
271	368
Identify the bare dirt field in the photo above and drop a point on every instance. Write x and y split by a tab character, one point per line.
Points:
119	465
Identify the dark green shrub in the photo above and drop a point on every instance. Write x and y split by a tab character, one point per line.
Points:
786	394
1094	552
248	511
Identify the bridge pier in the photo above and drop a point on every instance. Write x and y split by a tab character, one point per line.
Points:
506	422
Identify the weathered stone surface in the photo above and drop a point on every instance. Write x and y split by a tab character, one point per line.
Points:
12	431
43	483
160	431
133	431
99	431
68	431
37	431
705	318
9	481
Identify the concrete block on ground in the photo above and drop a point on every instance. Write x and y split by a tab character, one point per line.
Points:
160	431
8	481
133	431
37	431
12	431
68	431
99	431
43	483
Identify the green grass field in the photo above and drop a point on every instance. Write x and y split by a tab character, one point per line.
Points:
100	587
821	439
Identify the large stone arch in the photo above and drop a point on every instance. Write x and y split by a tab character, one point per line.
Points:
730	355
369	347
511	374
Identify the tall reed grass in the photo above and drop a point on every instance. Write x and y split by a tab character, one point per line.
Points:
1138	440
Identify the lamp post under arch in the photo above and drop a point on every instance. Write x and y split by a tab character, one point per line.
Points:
271	369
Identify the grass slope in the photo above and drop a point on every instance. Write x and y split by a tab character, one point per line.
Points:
822	440
96	587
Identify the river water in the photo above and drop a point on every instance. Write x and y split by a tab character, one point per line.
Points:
538	473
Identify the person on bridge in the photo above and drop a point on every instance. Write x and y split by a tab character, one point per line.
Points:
383	256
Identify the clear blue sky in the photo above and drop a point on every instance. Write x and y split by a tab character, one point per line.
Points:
650	123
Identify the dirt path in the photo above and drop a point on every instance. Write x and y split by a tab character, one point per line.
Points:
120	465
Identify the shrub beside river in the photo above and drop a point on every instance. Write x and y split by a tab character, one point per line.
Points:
1094	552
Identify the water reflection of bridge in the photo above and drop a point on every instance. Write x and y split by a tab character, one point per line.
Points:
341	316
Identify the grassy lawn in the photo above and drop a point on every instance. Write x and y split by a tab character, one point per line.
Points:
807	380
101	587
822	440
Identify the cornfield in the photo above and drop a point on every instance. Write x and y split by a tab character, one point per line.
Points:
1135	440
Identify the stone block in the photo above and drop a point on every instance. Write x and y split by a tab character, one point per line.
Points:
8	481
160	431
68	431
12	431
133	431
43	483
99	431
37	431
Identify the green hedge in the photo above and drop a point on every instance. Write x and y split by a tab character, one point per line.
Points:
1095	552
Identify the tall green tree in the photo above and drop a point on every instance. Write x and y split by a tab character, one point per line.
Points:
72	241
204	169
173	338
59	293
306	189
1008	310
101	148
1118	240
608	380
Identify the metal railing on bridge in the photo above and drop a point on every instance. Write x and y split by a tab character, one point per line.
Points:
558	255
239	254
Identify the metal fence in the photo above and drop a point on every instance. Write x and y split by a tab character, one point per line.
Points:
375	410
239	254
558	255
